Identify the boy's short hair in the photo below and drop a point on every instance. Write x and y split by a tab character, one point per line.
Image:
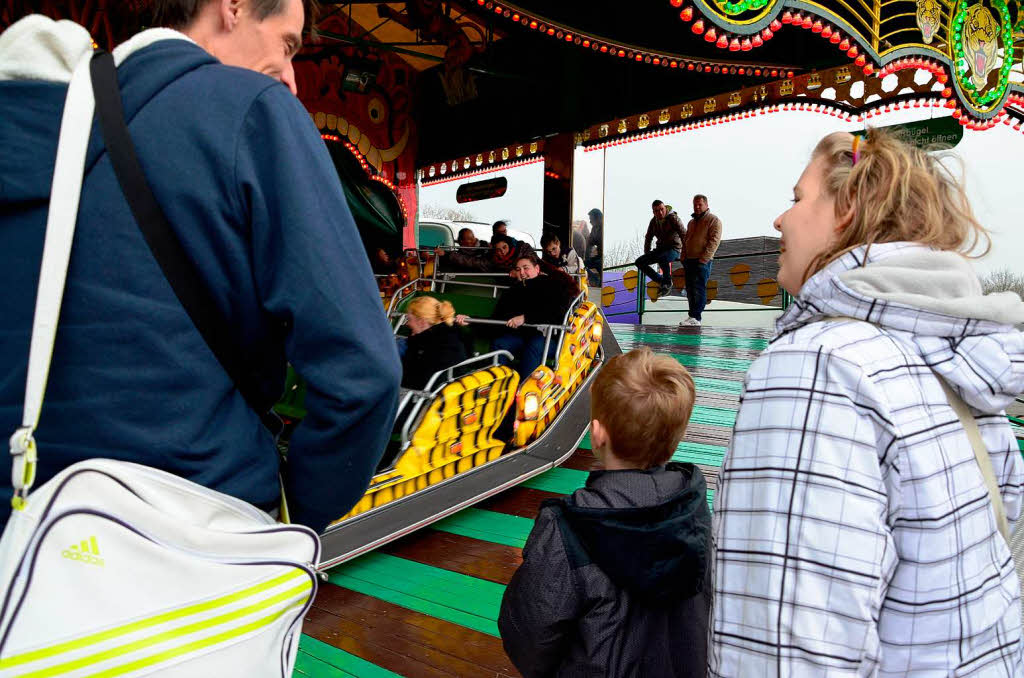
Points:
644	401
549	238
529	256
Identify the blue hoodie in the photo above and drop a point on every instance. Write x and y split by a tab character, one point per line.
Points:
249	187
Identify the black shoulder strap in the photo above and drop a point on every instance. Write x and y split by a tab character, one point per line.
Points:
175	263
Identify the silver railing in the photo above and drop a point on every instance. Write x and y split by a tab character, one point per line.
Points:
419	399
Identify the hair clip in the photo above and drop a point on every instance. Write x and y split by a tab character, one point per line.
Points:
856	148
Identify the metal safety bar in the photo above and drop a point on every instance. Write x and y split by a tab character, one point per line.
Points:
431	390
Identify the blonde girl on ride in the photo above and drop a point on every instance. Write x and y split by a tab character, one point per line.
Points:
854	529
434	343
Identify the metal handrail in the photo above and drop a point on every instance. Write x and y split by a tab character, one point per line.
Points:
724	256
396	297
504	323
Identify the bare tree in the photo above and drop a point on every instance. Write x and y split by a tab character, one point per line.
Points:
1003	280
446	213
624	251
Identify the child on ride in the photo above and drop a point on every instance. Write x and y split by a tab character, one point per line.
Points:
615	579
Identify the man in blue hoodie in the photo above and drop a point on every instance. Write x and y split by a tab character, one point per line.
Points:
250	190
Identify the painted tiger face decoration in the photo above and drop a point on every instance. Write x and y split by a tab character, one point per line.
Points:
929	18
980	41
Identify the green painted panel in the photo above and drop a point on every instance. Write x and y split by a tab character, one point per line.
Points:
319	654
454	597
745	343
499	528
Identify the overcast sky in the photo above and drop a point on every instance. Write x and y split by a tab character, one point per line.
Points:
747	169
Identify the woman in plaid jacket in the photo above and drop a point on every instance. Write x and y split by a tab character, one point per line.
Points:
854	532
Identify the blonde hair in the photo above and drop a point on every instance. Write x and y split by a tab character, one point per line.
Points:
432	310
644	401
895	192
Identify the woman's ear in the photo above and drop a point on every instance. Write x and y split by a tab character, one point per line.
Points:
845	220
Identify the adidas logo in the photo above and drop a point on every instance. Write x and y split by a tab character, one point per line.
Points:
88	551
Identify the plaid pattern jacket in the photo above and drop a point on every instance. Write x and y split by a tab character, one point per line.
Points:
853	529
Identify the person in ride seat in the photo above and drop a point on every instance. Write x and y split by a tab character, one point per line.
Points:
501	258
616	579
434	343
567	262
535	299
468	239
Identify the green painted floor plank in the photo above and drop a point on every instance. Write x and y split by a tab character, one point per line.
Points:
713	416
451	596
732	364
347	663
746	343
718	385
699	453
499	528
409	602
560	480
308	665
468	594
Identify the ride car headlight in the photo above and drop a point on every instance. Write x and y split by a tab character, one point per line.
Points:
531	405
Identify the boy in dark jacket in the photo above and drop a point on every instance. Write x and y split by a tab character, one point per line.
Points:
615	579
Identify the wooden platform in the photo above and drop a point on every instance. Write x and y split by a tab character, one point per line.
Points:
427	605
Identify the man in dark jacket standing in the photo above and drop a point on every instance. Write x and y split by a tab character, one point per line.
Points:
668	230
250	190
616	579
536	299
703	235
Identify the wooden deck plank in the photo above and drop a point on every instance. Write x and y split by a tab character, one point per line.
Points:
471	557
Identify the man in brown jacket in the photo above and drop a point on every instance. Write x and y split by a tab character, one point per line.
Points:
703	234
667	228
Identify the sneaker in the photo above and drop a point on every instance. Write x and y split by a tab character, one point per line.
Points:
689	322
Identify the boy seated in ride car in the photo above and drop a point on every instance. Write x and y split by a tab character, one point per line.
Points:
615	579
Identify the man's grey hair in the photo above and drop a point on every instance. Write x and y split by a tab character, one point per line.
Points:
181	13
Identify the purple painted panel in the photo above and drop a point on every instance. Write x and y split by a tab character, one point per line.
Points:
622	308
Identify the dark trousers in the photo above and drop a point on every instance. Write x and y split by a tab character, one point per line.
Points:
525	344
664	259
697	275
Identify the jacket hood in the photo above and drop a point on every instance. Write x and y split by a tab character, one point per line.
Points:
655	551
931	302
37	58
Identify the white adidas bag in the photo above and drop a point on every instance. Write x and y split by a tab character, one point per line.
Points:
117	569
